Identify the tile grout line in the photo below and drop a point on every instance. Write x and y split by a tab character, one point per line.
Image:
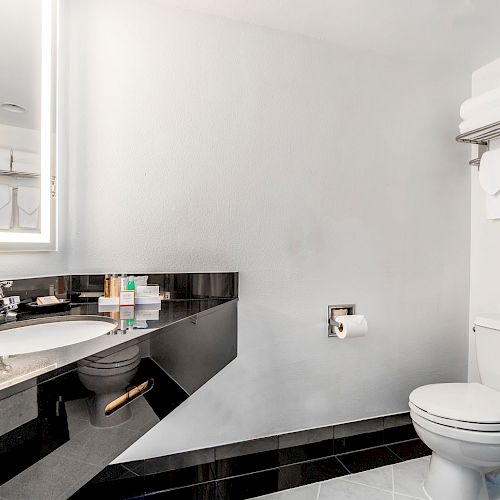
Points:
344	466
374	447
396	455
130	470
319	490
343	478
392	477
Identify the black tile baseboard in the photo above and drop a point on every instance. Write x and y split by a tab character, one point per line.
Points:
245	464
408	450
313	471
305	452
260	466
205	491
358	442
359	461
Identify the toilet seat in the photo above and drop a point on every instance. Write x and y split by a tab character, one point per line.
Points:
123	359
474	406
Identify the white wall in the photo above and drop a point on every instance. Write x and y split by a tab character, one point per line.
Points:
485	234
322	174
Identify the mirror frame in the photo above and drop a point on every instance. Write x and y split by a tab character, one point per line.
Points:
46	239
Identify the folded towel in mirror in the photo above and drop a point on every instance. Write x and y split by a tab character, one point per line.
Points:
26	162
5	206
28	204
4	159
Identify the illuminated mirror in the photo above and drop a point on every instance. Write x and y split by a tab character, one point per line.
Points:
27	124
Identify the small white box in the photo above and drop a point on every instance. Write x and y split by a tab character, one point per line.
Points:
148	300
127	312
127	298
147	314
148	291
109	301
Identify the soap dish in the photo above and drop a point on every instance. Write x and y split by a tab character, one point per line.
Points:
33	307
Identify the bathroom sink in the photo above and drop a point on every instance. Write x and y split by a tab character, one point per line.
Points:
36	335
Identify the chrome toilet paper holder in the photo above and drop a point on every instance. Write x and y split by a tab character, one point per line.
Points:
338	310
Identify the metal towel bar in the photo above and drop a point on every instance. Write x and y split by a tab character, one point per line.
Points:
482	137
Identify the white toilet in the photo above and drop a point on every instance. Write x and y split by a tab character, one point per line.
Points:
460	423
108	376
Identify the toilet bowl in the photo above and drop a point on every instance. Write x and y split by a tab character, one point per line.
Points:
460	423
108	376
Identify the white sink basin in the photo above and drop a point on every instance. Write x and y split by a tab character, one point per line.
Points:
49	333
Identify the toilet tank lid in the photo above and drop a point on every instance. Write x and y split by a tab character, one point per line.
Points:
490	320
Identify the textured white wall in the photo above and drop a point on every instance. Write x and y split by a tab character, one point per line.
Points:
323	175
485	234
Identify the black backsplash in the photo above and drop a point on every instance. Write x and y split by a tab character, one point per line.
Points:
87	287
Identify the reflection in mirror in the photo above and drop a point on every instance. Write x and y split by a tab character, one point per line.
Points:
27	127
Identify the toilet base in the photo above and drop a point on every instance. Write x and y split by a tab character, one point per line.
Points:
448	480
97	406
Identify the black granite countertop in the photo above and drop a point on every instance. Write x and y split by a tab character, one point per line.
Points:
44	365
170	311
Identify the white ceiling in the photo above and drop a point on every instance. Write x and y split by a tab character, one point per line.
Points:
464	32
20	60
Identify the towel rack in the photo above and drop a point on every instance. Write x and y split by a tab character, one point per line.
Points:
481	136
15	173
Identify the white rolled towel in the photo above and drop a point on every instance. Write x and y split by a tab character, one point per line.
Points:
489	180
31	168
486	117
480	103
489	172
28	204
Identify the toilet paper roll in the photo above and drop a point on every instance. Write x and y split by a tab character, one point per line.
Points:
353	325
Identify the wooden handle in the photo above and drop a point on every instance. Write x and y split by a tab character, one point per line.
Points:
126	398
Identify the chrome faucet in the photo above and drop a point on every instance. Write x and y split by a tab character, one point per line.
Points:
8	307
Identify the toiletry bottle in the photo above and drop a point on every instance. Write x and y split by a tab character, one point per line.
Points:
131	283
123	282
115	286
107	285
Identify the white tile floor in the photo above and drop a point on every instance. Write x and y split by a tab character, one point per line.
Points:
401	481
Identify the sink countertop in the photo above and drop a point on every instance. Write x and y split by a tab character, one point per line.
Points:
30	369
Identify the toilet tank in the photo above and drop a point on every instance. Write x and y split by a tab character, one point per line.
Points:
487	332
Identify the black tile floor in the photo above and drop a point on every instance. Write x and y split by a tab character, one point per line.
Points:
250	475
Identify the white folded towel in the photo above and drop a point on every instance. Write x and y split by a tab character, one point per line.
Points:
486	117
26	162
26	157
28	204
5	207
480	103
32	168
